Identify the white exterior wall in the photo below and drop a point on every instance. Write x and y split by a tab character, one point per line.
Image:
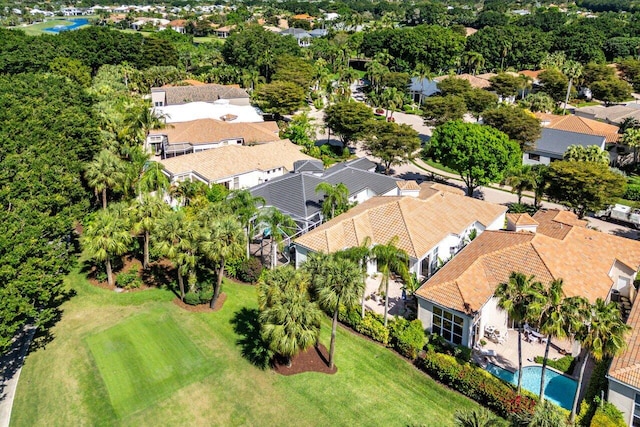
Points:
497	224
623	397
253	178
492	315
425	314
544	160
301	255
210	145
625	286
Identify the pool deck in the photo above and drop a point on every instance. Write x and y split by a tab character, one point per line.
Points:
506	354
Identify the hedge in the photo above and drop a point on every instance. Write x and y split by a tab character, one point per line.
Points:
632	193
608	415
565	364
476	383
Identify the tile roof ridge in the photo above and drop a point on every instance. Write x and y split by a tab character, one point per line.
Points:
542	258
405	223
304	192
625	369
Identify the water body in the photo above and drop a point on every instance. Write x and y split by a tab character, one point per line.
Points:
75	23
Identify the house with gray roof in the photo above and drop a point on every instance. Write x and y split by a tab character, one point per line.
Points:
614	114
179	95
554	143
302	37
294	194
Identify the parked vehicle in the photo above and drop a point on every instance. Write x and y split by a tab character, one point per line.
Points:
621	213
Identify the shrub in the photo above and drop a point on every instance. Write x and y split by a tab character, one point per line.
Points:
373	326
192	298
233	266
350	316
476	383
128	280
250	270
407	337
205	296
632	192
565	364
607	415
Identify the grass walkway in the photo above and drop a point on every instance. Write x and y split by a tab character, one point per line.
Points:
138	359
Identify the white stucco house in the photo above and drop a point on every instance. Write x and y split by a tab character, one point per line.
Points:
457	303
432	222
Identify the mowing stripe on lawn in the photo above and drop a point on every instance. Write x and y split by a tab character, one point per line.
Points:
144	359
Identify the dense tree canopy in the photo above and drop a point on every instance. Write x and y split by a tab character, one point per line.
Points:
348	120
47	133
519	124
392	143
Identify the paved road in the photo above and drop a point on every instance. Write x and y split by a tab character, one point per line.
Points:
499	195
10	368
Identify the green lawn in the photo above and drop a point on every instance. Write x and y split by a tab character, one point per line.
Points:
137	359
145	358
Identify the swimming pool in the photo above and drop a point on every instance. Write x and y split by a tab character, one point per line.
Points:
559	389
76	23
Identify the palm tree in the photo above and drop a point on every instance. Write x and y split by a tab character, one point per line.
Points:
153	179
592	153
539	101
479	417
336	198
556	317
141	119
336	281
573	70
290	321
105	237
145	212
280	226
224	240
390	258
245	206
514	297
106	171
360	255
392	99
375	71
178	238
602	335
546	414
631	137
540	182
521	179
422	72
473	60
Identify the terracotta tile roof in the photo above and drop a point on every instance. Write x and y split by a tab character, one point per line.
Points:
443	187
626	367
408	185
420	224
178	23
210	130
470	31
475	81
532	74
573	123
580	256
521	219
232	160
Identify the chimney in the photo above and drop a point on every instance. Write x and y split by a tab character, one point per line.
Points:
521	222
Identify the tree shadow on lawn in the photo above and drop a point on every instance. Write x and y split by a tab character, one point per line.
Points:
253	347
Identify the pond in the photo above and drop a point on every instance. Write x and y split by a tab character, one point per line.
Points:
75	23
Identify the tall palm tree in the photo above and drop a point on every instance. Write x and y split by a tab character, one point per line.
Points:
360	255
556	317
145	213
479	417
105	172
280	227
573	70
290	321
390	259
141	119
336	198
540	173
631	137
602	335
106	237
153	179
422	72
224	240
474	61
514	297
337	282
520	180
392	99
178	238
245	206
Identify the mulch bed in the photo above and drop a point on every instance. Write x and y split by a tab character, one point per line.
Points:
159	273
315	359
202	308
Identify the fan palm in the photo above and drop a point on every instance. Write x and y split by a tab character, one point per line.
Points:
336	198
422	72
514	297
602	335
520	180
280	226
556	317
479	417
360	255
337	281
631	137
245	206
224	240
105	172
573	70
146	211
105	237
153	179
390	259
290	321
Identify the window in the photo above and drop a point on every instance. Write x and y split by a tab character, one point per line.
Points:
534	157
158	104
236	182
636	412
447	325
